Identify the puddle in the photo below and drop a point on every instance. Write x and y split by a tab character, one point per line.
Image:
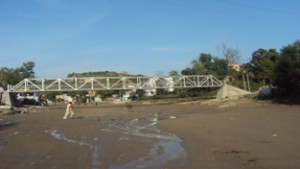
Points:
3	143
159	154
95	163
166	146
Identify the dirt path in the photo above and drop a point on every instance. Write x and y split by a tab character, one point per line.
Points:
251	135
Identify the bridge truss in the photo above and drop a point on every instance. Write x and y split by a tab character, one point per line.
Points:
114	83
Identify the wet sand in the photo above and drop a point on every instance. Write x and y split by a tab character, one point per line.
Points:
219	135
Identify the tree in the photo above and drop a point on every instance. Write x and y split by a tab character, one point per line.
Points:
188	71
7	76
26	70
173	73
263	64
207	64
198	66
220	68
232	55
205	59
287	70
13	76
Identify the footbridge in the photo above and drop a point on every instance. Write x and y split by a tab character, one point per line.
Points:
114	83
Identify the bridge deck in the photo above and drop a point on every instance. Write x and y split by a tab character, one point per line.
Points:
115	83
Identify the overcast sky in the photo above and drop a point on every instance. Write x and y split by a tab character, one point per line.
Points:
138	36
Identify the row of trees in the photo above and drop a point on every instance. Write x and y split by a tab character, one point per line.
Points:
267	67
279	69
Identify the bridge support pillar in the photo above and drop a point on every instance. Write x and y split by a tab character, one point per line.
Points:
6	100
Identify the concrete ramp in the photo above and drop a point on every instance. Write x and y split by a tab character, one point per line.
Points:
228	91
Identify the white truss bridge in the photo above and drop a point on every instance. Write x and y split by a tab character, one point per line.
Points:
114	83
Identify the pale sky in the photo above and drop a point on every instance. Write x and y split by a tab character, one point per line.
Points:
138	36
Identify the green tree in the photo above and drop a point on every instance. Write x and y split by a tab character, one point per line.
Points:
207	64
173	73
188	71
199	66
13	76
263	64
7	76
287	70
219	68
26	70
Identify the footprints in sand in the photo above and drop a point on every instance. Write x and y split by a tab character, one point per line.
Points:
241	155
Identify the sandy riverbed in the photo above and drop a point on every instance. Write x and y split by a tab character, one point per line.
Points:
207	135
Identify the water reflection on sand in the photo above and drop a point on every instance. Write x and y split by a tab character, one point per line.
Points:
95	163
166	146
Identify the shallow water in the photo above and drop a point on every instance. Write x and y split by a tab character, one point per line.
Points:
95	162
166	146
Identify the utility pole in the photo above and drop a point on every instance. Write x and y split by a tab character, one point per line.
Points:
244	81
248	83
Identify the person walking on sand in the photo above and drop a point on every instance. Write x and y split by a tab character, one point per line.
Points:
69	110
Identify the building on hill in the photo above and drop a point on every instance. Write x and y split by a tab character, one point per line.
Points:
235	67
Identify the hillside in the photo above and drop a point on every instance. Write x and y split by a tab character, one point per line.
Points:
100	74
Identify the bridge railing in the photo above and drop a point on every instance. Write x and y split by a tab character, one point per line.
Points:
115	83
